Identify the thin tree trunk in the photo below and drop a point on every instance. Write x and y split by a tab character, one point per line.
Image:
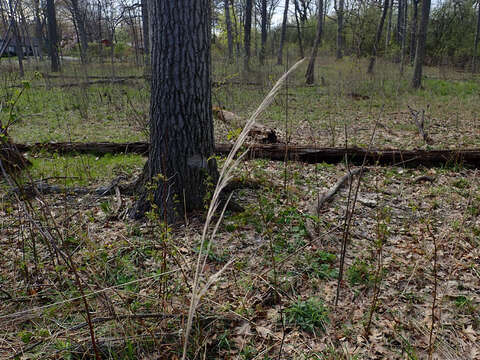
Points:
389	24
133	24
422	40
235	27
26	32
181	127
264	20
100	44
340	35
82	33
283	34
52	36
228	23
112	51
475	45
38	28
404	37
247	34
310	74
413	30
378	36
400	15
16	38
299	32
146	35
255	19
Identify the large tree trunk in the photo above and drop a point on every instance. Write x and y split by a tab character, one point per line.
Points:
310	74
180	167
283	34
228	23
340	35
299	31
264	20
82	32
475	45
52	36
247	34
378	36
413	30
422	40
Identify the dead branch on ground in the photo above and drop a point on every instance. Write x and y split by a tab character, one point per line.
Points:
420	122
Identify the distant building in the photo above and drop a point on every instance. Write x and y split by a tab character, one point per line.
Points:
30	47
106	42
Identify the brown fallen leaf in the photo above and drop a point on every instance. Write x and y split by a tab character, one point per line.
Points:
263	332
244	329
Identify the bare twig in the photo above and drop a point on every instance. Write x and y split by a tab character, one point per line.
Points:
420	124
434	302
349	216
328	195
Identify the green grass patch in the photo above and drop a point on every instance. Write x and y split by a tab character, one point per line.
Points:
451	88
310	315
84	169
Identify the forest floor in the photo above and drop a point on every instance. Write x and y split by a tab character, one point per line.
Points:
413	244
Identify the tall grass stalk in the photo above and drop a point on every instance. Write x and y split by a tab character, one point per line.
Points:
223	180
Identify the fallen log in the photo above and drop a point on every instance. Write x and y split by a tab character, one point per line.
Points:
278	152
259	132
108	77
11	159
96	148
81	82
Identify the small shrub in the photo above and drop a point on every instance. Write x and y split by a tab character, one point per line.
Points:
319	265
360	273
309	315
464	305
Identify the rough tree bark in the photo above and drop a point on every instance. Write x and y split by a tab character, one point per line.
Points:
378	36
52	36
310	74
475	45
421	42
413	30
228	23
247	34
340	35
283	34
179	166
